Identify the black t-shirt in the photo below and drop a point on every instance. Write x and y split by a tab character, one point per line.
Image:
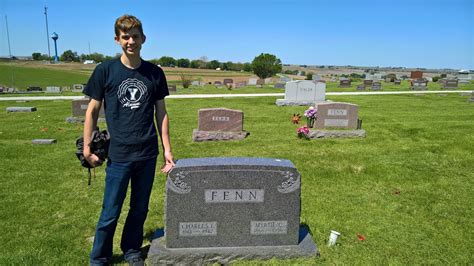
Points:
129	101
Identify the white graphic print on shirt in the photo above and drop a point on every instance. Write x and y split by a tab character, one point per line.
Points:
132	93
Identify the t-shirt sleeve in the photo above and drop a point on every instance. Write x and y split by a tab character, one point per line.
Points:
95	86
162	87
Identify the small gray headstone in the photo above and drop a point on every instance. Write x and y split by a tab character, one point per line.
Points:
397	82
252	81
279	86
419	84
360	87
52	89
376	86
171	87
43	141
240	84
20	109
228	81
450	84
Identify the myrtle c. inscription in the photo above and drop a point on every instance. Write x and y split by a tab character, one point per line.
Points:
268	227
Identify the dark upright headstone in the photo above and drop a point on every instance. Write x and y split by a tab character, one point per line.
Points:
450	84
223	209
228	81
232	202
344	83
219	124
368	82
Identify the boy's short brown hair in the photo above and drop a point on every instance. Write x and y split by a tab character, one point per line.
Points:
127	22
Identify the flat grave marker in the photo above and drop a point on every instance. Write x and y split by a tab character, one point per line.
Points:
43	141
53	89
20	109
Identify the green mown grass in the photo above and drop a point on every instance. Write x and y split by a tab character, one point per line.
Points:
407	187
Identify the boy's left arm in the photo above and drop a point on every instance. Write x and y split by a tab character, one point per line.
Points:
163	125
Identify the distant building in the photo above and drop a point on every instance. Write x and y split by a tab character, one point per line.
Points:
86	62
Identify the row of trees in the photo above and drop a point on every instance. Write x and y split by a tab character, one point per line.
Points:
264	65
70	56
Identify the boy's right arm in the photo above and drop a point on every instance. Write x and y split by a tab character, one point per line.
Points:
90	124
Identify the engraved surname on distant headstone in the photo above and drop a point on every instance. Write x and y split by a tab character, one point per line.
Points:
234	195
268	227
221	118
336	122
337	112
198	229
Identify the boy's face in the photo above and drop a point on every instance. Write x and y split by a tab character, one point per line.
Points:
131	41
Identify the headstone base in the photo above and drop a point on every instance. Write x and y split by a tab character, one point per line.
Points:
319	133
160	255
81	120
20	109
218	135
283	102
43	141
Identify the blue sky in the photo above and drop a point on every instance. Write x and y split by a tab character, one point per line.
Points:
416	33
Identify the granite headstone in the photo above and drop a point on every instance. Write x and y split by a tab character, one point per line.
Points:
303	92
336	115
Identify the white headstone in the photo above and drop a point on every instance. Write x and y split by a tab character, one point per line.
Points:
252	81
303	92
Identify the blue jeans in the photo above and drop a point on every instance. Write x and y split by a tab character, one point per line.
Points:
118	175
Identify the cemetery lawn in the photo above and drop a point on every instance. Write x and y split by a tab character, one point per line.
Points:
407	188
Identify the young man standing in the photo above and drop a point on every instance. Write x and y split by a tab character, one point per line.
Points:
133	92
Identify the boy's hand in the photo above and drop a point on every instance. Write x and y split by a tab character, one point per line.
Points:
92	159
169	163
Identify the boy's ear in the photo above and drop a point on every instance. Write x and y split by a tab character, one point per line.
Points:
144	38
116	38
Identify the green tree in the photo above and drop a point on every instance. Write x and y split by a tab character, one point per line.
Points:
69	56
266	65
183	62
36	56
247	67
197	64
167	61
213	64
